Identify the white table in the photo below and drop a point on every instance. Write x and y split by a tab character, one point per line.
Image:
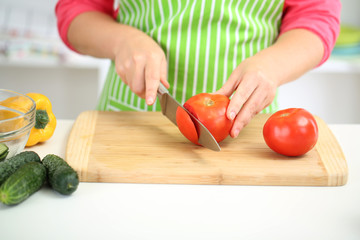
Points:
156	211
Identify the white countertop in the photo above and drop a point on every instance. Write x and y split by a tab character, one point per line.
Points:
165	211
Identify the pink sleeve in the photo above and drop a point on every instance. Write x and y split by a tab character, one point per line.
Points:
67	10
321	17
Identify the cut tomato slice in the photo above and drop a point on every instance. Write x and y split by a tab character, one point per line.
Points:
186	125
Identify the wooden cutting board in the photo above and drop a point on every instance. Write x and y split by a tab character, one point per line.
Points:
145	147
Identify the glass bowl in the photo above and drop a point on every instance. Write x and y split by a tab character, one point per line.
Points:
17	118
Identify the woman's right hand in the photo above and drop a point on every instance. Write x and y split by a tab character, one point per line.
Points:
141	63
139	60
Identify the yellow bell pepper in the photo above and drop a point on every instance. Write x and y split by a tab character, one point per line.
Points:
45	120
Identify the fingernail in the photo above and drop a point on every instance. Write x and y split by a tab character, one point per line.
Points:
149	100
232	115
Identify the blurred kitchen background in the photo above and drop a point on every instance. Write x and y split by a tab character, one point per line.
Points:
33	59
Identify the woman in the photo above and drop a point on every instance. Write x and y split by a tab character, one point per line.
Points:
243	49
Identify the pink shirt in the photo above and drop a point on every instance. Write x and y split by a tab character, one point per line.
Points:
321	17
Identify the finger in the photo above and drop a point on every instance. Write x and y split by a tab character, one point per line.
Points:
244	90
136	76
164	73
255	103
152	79
231	84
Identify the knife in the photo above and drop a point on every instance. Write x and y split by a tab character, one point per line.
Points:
169	106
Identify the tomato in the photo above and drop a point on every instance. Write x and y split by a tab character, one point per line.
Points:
291	132
210	110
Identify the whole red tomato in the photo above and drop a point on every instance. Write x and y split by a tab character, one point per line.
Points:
210	110
291	132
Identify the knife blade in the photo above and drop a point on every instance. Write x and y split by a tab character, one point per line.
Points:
169	106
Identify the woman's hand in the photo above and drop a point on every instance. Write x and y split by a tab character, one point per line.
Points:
139	60
252	89
254	82
141	64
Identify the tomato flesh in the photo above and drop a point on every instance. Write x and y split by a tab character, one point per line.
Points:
186	125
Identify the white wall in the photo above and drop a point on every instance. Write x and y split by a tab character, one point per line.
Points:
333	96
71	90
350	12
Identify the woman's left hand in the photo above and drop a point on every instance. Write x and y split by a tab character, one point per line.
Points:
254	82
252	87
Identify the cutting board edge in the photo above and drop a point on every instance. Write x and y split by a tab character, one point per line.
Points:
335	163
80	159
210	181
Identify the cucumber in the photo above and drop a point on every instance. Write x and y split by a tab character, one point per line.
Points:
4	150
24	182
61	176
10	165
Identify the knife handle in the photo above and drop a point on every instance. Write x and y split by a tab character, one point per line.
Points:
162	89
162	93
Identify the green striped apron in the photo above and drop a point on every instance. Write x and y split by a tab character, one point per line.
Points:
204	41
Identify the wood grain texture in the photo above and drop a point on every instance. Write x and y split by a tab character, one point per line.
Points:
145	147
79	142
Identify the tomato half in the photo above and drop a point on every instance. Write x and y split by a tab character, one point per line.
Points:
291	132
210	110
186	125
